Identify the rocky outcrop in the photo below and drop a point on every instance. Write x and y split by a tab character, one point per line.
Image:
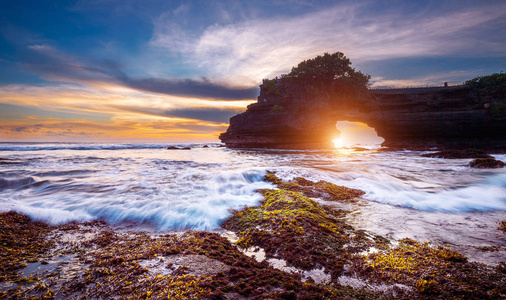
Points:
448	117
486	163
458	154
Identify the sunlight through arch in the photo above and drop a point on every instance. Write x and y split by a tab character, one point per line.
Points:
356	134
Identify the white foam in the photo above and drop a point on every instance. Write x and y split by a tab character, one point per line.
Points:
488	195
185	203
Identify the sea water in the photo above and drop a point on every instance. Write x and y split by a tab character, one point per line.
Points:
442	200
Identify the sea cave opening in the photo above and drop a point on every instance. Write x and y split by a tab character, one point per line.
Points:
356	134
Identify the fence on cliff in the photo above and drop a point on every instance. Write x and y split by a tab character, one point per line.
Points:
413	90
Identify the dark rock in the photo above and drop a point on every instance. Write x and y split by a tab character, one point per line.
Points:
8	161
205	146
417	119
360	149
458	154
486	163
178	148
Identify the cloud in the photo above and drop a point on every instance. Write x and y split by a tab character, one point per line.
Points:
19	129
122	128
436	79
217	115
258	48
51	64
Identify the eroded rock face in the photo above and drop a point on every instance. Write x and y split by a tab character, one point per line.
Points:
453	117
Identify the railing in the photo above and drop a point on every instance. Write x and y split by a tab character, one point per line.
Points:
421	89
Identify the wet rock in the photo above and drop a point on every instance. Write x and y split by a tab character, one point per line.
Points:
486	163
178	148
458	154
8	161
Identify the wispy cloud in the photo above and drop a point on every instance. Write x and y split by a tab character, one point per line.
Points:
258	48
125	128
55	65
108	112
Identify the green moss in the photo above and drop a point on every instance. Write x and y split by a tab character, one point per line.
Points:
293	227
321	189
432	270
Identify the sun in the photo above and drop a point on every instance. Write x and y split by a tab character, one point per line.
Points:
338	142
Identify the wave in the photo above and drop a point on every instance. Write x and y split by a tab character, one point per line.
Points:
405	189
7	184
201	205
483	196
79	146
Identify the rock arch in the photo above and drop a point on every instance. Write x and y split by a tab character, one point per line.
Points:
420	118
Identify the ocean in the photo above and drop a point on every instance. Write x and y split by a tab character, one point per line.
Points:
148	186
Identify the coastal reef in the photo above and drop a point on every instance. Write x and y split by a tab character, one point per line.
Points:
299	110
295	228
296	244
92	260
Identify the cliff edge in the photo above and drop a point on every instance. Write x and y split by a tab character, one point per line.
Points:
293	116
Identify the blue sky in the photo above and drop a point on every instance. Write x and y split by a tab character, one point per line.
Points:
178	70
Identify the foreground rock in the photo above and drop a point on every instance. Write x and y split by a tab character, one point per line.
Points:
486	163
92	260
103	263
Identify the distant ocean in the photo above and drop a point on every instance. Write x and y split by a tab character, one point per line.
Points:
148	185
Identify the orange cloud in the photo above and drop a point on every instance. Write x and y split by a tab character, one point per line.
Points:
73	112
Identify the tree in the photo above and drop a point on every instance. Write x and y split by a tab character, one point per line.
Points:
329	76
491	87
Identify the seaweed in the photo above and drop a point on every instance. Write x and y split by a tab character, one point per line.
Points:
22	241
502	226
289	225
433	271
321	189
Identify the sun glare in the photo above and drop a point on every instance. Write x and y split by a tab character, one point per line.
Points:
356	134
338	142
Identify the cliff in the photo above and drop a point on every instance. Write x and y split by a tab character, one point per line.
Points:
451	117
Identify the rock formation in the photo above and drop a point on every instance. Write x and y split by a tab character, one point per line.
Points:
448	117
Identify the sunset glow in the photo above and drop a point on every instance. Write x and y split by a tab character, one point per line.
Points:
356	133
338	143
124	71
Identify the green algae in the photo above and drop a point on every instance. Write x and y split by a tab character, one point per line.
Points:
432	271
321	189
110	265
295	228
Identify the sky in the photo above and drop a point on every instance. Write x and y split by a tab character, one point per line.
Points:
176	71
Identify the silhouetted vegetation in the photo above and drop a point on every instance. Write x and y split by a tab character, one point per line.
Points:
329	77
495	81
491	89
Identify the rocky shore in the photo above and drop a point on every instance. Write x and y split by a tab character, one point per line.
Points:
296	245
